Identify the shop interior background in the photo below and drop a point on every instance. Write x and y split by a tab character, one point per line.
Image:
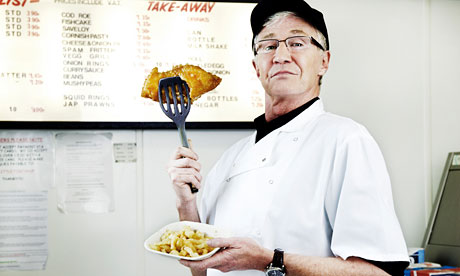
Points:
394	68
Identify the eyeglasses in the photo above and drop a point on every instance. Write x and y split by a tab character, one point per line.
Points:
293	44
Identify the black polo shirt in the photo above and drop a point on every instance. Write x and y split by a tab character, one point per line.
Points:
263	127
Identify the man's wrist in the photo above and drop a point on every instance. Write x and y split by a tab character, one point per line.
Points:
185	203
187	210
266	258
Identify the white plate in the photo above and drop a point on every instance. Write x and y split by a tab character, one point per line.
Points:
210	230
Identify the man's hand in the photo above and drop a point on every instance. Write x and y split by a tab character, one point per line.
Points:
235	254
184	168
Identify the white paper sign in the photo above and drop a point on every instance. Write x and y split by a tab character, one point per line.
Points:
84	172
23	230
26	160
125	152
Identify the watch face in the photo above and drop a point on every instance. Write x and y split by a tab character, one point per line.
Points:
275	273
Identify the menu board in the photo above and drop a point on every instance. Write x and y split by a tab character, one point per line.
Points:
86	60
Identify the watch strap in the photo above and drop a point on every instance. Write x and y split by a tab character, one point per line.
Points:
278	258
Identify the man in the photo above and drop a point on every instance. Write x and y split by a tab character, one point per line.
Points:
308	193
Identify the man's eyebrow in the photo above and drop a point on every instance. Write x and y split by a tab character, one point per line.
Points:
272	35
298	32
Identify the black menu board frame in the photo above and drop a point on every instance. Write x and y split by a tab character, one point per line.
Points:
12	123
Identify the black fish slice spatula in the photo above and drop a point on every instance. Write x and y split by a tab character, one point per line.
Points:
174	98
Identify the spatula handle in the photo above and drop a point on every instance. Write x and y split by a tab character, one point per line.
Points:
192	188
183	136
184	141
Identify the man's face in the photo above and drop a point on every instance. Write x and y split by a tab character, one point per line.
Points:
290	73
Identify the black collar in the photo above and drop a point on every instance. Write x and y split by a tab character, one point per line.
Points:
263	127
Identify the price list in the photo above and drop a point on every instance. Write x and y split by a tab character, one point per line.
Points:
144	41
86	60
18	24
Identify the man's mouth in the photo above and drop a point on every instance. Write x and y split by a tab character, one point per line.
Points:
282	73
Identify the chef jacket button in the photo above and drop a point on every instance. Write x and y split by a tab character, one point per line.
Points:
270	181
264	159
258	233
295	139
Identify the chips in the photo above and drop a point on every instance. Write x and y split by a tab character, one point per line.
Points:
186	243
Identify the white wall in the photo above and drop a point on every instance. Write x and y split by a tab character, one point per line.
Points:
444	84
393	69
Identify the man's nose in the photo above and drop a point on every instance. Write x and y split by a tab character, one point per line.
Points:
282	53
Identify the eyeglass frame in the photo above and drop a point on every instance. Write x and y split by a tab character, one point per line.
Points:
312	41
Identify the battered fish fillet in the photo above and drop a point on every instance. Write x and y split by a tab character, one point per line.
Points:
198	80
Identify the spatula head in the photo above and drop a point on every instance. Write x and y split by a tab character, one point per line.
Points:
174	98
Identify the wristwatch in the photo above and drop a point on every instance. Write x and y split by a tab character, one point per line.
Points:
276	267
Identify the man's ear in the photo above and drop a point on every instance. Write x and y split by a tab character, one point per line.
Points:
255	67
326	55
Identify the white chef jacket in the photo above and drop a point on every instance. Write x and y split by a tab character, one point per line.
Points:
317	186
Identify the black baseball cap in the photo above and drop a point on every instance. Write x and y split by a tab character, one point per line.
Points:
266	8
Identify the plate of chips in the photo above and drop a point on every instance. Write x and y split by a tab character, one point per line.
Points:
185	240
